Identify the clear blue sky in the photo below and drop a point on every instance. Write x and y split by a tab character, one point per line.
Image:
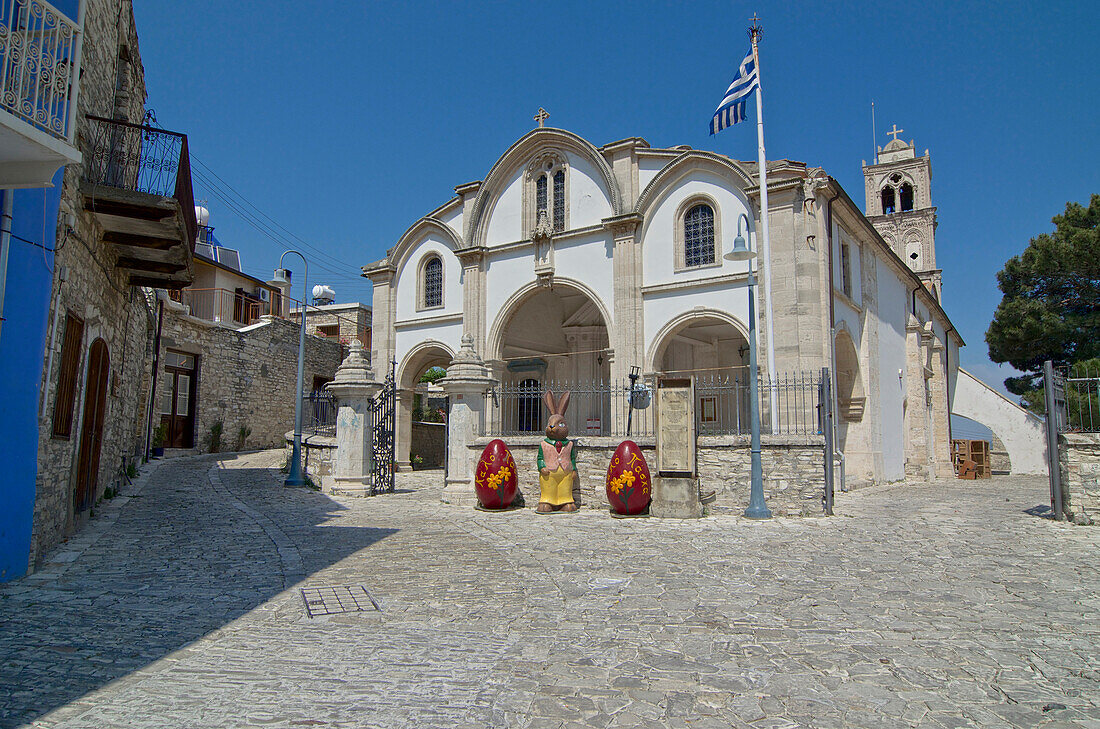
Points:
345	122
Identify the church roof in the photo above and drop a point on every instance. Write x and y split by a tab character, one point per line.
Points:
895	145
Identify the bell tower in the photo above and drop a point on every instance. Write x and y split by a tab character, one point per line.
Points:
898	186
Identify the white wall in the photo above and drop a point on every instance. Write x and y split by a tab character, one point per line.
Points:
405	280
452	218
408	337
1020	431
660	309
893	302
506	213
841	237
648	167
658	231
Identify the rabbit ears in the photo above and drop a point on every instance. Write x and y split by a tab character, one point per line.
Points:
556	407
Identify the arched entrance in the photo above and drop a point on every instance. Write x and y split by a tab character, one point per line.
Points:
711	347
91	430
853	434
411	391
551	337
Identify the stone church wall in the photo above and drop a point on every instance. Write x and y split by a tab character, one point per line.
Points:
794	474
246	377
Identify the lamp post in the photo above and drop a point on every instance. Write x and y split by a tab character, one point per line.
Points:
296	477
635	373
757	509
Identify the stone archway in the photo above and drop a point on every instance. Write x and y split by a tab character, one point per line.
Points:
416	362
553	337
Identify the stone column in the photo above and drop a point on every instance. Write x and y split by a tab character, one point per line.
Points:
473	294
916	401
940	435
383	312
626	335
354	386
466	383
403	427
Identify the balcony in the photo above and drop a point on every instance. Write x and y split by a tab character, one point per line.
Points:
39	67
232	308
137	182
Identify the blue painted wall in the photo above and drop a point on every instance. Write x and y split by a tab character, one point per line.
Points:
22	352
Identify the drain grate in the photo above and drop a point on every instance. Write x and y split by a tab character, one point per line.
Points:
338	599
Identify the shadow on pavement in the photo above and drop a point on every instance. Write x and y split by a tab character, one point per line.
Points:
180	562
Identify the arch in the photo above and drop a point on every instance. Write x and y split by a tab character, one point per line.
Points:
428	353
416	233
849	381
516	157
495	338
905	197
888	201
686	163
679	236
682	321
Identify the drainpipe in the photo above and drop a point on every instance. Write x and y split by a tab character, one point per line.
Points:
5	244
153	386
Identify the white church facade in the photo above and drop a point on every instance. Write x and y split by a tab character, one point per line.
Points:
571	262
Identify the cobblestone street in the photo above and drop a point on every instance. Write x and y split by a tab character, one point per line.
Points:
950	604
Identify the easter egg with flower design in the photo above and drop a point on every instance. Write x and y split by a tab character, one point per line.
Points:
629	486
495	480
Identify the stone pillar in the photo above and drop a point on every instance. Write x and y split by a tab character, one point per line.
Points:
626	334
941	438
403	427
383	313
466	383
473	294
354	386
916	402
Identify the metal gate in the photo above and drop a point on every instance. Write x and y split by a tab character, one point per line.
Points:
1054	391
825	424
383	424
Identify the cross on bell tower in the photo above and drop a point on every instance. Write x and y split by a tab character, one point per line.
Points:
895	132
541	117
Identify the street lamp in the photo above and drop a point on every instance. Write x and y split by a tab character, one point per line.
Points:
296	477
758	509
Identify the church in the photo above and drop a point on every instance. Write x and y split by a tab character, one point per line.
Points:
571	263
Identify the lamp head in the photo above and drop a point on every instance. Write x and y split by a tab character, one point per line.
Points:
282	275
740	250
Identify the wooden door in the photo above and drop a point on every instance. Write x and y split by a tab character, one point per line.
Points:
177	404
91	430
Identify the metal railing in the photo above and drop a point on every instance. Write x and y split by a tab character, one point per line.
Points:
223	305
1082	398
789	405
363	335
139	158
39	63
319	413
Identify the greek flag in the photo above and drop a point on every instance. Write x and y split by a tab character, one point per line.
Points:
732	108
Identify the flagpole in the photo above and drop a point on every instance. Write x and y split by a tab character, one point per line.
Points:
766	249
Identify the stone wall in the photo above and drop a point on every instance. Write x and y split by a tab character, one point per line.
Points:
794	474
245	377
1079	457
429	441
318	454
112	84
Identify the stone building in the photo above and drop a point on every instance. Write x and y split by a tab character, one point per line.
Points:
576	262
341	322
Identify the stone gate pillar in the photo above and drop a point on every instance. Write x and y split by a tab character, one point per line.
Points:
354	387
466	384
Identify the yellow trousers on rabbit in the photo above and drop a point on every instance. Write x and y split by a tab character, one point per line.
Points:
557	488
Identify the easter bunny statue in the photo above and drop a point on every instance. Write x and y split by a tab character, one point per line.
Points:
557	459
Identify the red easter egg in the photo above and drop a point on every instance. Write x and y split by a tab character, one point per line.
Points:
629	486
495	479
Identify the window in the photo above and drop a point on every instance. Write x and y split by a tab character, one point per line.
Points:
546	179
906	195
887	200
527	410
699	236
846	269
433	283
66	382
328	330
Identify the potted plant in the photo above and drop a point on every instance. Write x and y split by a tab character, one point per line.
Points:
417	462
160	435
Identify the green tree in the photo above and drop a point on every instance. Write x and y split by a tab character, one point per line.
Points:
433	374
1051	303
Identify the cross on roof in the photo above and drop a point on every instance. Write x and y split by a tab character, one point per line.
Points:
542	116
895	131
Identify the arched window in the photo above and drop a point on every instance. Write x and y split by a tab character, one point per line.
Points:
699	236
431	283
887	200
906	195
548	175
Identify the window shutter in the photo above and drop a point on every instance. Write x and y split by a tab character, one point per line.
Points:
65	398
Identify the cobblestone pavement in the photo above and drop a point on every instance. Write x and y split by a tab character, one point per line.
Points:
941	605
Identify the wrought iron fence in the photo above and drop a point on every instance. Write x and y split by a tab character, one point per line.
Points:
1082	398
39	61
139	158
595	408
789	405
319	413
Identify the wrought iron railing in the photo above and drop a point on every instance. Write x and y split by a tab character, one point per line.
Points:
139	158
789	405
39	62
319	413
1082	398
